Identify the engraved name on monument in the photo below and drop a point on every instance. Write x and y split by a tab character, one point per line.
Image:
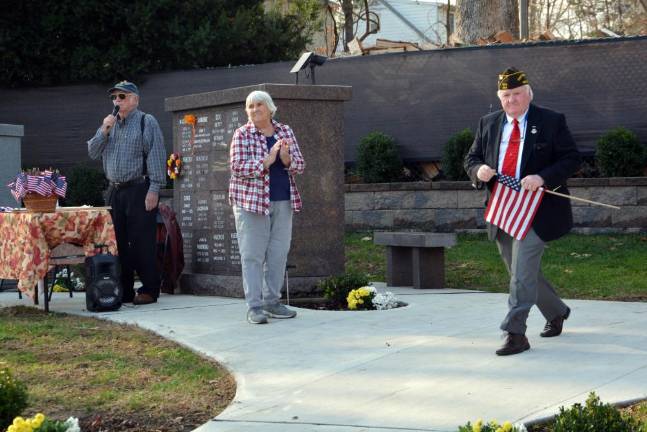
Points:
206	219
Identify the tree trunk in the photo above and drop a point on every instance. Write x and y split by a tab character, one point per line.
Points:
347	8
483	18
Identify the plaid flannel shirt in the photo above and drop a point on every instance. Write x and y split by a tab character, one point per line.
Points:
249	185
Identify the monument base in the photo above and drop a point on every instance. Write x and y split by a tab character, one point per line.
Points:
232	286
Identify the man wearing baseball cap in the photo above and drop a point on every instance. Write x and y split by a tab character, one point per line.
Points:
533	145
131	146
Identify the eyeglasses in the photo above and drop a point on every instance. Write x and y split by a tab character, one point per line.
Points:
121	96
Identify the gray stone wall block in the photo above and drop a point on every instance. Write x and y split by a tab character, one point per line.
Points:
471	199
423	219
359	200
452	219
619	196
628	181
592	216
438	199
630	217
348	217
376	219
394	200
641	196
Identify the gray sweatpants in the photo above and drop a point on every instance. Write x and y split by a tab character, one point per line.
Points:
528	286
264	243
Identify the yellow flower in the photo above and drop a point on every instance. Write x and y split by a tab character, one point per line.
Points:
476	427
506	426
12	428
38	420
18	421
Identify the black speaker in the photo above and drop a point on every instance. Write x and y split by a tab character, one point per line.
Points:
103	291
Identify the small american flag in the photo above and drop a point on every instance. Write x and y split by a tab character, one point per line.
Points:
511	208
60	185
39	184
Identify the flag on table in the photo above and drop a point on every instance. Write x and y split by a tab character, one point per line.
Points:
60	185
512	208
39	184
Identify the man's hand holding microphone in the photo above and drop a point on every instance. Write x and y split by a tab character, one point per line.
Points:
110	121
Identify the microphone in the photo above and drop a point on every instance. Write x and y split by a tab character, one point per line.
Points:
115	111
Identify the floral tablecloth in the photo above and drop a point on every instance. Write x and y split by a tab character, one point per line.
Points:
26	240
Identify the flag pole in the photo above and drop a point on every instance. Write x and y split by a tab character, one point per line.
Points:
581	199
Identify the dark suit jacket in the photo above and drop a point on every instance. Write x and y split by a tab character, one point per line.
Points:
549	152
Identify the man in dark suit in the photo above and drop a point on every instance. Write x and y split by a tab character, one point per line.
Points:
534	145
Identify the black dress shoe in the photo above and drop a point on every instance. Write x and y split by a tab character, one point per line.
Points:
514	344
554	327
143	299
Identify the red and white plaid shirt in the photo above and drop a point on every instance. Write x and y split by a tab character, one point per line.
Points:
249	185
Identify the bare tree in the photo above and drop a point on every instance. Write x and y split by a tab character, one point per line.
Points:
580	18
481	18
371	20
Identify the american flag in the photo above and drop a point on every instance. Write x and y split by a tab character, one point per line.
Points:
511	208
39	184
60	185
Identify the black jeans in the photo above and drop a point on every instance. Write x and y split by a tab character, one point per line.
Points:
135	229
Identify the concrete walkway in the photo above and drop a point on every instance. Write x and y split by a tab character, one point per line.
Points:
429	366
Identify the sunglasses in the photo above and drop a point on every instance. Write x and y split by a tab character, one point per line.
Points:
120	96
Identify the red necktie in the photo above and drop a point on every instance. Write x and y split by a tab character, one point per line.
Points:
512	153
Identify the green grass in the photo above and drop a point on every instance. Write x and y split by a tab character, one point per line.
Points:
87	367
611	267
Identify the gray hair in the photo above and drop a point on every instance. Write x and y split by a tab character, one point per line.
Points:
498	93
263	97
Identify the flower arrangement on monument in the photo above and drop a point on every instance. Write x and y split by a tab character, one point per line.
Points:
174	161
39	189
174	166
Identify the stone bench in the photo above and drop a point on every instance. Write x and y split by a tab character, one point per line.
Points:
415	258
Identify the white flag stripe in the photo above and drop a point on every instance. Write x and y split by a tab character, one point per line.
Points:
499	206
518	202
514	230
510	198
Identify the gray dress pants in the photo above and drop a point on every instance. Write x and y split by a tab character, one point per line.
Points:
528	286
264	243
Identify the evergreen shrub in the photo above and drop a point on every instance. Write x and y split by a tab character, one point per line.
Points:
593	416
454	154
378	160
620	154
85	186
13	397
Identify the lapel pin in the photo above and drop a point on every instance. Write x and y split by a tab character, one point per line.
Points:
533	130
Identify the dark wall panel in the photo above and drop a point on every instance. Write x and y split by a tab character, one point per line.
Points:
419	98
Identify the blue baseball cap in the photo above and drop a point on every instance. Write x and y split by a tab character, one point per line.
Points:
126	86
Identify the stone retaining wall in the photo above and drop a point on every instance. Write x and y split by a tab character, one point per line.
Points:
456	206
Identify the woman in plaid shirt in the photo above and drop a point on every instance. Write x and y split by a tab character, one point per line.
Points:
264	157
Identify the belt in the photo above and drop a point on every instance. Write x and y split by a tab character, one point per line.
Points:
123	185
